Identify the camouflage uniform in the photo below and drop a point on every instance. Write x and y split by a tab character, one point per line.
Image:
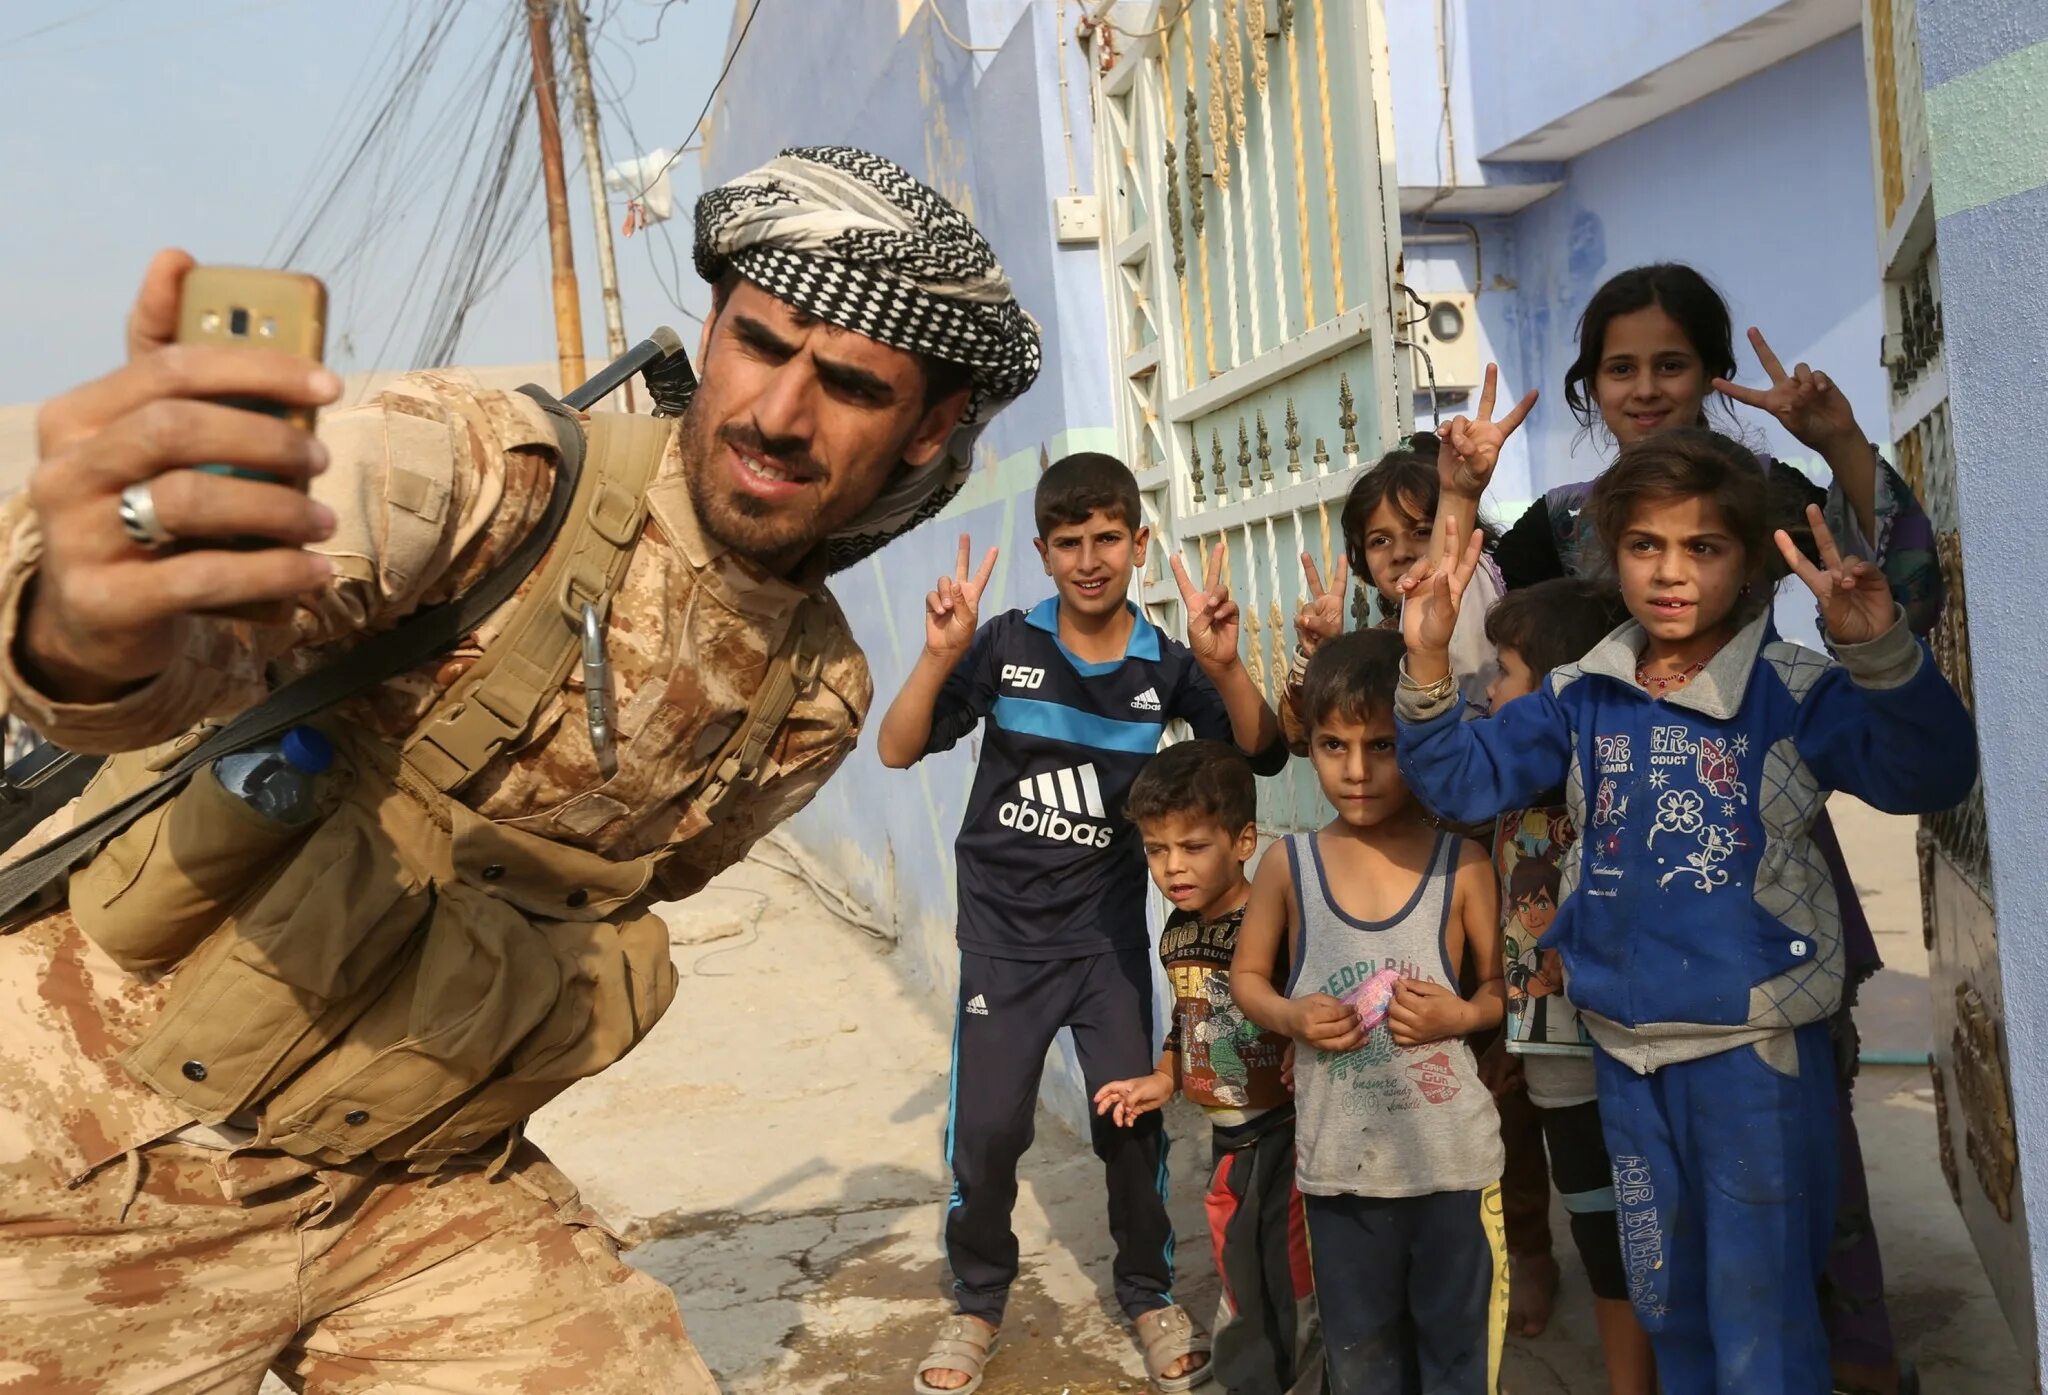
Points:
142	1250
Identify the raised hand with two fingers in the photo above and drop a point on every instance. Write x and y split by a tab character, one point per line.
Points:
1855	599
1433	590
1322	614
1468	448
952	609
1805	401
1212	614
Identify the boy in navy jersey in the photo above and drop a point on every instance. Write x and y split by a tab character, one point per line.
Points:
1075	693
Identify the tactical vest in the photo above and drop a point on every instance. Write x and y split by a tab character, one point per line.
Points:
407	979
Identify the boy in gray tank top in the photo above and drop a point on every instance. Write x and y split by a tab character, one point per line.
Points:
1398	1145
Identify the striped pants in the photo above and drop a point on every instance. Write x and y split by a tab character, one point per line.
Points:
1268	1340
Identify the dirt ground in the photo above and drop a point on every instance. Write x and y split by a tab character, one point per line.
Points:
776	1147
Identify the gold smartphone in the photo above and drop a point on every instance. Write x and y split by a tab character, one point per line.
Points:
246	307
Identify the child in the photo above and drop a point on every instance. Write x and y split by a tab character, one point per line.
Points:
1398	1146
1072	698
1535	630
1387	523
1195	808
1656	350
1696	757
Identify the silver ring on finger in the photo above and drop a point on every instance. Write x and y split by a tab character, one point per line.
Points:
138	517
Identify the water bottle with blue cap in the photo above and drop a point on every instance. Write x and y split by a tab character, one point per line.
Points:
279	779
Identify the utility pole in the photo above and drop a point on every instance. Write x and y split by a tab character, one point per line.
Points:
568	307
593	165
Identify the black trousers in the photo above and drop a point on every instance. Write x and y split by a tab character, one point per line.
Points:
1411	1291
1009	1012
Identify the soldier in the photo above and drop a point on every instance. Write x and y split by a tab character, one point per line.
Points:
265	1114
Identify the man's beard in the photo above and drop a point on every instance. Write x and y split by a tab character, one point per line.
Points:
770	534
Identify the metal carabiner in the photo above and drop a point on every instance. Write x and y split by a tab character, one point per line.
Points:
597	691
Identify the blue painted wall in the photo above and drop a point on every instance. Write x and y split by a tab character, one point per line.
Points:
985	130
1785	228
1995	316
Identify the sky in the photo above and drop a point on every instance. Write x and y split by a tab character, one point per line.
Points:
139	125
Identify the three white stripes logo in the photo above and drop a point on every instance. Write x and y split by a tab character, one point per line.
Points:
1147	701
978	1005
1058	805
1073	789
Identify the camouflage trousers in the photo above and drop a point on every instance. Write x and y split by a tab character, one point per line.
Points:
179	1268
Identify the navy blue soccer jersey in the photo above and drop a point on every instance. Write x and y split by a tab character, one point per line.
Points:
1049	867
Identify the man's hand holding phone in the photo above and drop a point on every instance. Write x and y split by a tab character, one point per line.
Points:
108	611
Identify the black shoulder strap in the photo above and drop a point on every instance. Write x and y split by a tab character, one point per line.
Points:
428	633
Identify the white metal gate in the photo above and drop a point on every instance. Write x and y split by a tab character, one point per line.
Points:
1244	158
1973	1098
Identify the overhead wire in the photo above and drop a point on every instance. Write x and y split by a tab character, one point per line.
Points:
60	23
488	221
614	100
377	130
404	142
417	131
666	6
376	58
1066	122
421	132
731	57
1152	33
316	235
129	36
947	29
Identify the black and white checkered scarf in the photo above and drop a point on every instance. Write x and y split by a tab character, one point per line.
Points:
857	241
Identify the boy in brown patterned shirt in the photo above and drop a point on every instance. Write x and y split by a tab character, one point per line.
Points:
1196	809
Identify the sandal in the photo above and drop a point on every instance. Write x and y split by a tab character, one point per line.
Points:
964	1344
1166	1335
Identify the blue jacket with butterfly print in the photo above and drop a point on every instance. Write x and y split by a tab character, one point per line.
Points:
1696	914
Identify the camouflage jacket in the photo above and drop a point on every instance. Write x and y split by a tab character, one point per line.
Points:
432	483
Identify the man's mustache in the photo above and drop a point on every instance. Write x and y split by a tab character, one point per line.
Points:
785	455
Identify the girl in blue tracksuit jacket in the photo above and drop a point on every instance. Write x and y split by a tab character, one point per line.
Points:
1699	928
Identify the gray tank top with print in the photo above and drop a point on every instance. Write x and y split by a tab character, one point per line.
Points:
1384	1120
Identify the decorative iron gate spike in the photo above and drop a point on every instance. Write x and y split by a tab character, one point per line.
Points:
1180	251
1254	649
1347	417
1293	440
1244	459
1219	116
1216	461
1265	451
1255	26
1233	70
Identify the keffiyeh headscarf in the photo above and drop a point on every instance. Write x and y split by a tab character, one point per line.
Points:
858	242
